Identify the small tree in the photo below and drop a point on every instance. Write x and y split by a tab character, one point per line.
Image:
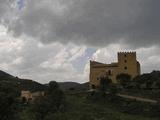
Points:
123	79
113	89
9	104
53	85
105	83
53	101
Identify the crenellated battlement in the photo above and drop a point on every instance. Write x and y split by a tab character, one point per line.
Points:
126	56
128	52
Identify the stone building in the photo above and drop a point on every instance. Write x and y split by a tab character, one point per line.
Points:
127	63
26	95
29	96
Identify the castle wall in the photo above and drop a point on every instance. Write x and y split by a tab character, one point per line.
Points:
127	63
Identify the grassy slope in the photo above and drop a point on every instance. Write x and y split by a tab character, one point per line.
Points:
80	108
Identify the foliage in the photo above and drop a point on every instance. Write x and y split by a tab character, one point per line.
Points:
104	83
53	101
52	87
27	114
148	80
56	105
145	85
123	79
113	89
30	85
23	84
8	101
80	108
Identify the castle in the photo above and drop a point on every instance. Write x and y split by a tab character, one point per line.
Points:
127	63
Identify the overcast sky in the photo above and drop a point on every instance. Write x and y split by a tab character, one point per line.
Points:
49	40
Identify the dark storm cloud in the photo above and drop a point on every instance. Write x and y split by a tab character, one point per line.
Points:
91	22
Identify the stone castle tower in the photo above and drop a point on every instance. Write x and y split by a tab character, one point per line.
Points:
127	63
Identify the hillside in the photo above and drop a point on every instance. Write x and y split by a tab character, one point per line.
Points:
73	86
23	84
26	84
6	77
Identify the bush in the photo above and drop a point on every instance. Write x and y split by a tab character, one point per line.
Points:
105	82
123	79
56	116
52	102
9	104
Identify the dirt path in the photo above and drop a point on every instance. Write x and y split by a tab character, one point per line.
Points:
137	98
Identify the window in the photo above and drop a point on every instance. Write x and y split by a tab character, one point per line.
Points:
93	86
97	78
109	72
125	68
125	61
125	55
